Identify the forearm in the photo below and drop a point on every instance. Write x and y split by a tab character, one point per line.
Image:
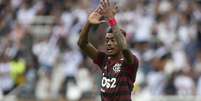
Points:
84	44
83	39
122	43
120	38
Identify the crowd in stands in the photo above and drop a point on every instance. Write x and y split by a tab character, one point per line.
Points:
39	53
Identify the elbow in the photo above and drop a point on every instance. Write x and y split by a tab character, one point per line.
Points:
81	44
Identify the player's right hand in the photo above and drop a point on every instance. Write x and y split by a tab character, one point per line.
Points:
95	16
109	10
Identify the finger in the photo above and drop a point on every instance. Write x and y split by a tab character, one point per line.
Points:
115	4
116	8
104	3
108	3
101	9
96	10
89	11
98	15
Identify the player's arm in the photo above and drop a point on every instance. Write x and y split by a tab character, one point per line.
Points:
109	12
122	43
83	43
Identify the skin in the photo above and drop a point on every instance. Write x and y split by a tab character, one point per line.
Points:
111	45
115	42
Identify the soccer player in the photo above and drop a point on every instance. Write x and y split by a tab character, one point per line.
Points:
118	64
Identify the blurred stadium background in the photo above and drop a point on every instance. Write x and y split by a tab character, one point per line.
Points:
40	60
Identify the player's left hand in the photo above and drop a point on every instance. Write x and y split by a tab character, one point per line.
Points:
95	16
108	9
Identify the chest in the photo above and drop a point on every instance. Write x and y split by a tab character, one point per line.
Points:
114	76
113	68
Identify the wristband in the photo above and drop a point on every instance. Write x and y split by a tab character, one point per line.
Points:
112	22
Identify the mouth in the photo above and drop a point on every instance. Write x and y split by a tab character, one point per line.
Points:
110	49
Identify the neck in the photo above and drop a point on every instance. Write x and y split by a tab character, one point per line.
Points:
117	56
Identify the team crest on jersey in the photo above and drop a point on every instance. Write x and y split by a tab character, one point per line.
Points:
117	68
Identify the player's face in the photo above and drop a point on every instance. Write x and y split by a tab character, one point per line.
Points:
111	45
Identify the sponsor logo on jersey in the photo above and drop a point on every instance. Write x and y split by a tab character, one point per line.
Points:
108	83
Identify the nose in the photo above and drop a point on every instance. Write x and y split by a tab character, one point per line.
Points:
109	43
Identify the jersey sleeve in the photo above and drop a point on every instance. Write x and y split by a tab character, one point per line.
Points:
100	59
132	68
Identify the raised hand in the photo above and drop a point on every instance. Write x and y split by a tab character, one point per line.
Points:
95	16
108	9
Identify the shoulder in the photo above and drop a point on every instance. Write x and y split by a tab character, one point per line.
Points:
135	61
101	55
132	68
100	59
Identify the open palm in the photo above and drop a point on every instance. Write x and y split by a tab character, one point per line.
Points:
109	10
95	17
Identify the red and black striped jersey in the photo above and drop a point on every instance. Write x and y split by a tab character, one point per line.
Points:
117	77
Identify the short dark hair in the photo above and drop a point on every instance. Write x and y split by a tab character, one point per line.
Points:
109	30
